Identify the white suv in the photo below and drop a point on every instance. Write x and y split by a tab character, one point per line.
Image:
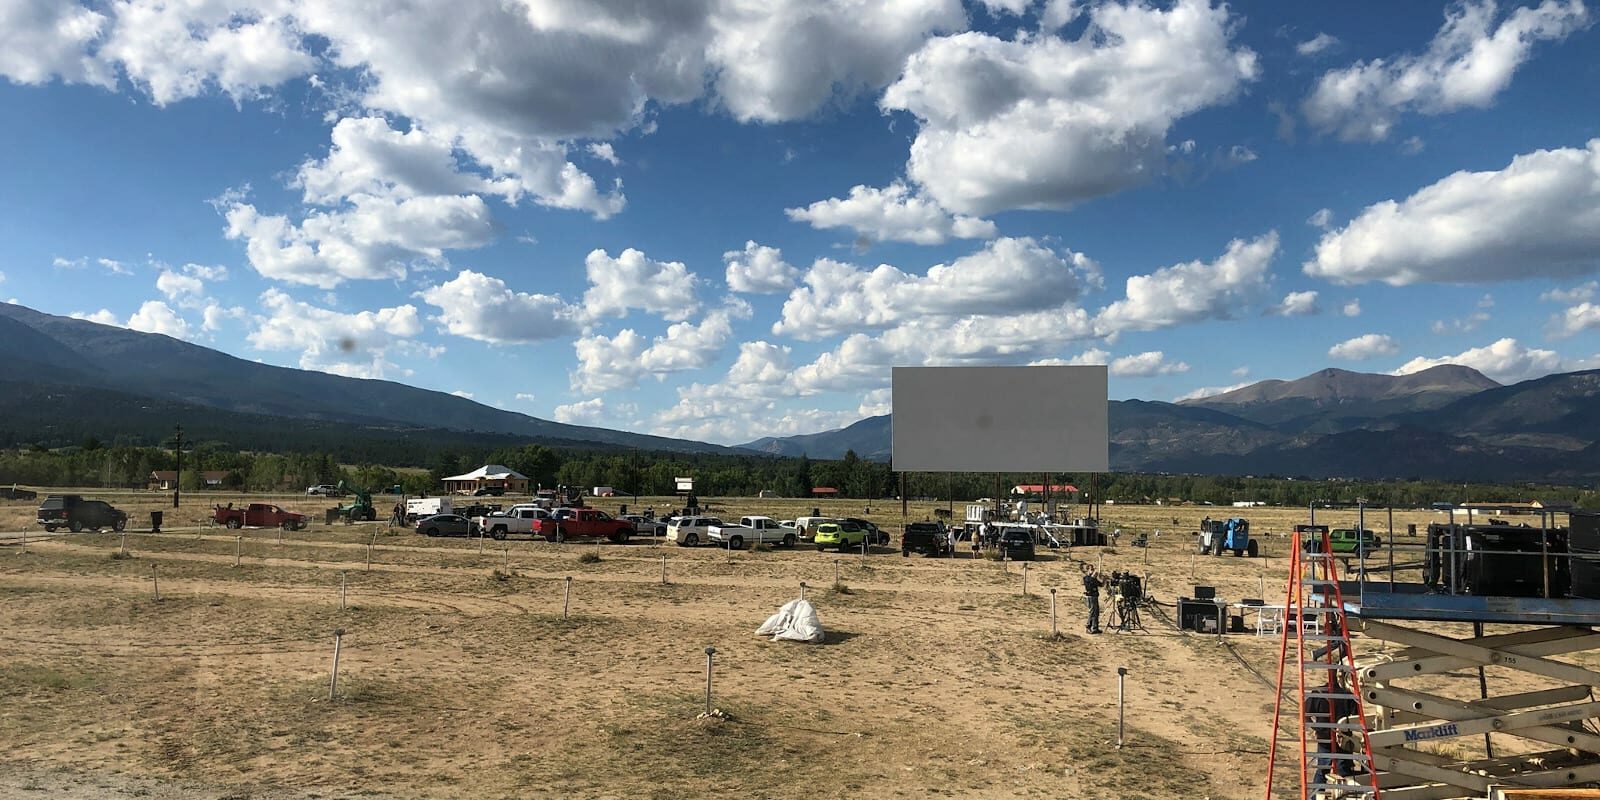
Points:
690	531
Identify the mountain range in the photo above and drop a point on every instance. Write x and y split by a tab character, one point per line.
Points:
1445	423
68	378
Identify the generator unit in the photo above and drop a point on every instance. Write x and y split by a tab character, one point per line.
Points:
1497	560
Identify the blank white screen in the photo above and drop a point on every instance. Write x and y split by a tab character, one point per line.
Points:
1000	419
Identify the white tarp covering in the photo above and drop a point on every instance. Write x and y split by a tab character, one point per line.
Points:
797	621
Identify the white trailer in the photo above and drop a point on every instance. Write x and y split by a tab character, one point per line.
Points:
419	507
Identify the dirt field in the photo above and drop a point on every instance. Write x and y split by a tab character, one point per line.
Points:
460	678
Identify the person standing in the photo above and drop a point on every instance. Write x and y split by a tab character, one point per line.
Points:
1091	597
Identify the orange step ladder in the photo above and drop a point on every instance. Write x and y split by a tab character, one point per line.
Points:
1325	698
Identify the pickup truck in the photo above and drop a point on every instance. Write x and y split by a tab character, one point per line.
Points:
929	538
258	515
752	530
583	523
515	520
74	513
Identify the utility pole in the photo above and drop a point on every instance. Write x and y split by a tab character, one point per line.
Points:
177	485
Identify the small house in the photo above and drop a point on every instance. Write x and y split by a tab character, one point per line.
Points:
488	476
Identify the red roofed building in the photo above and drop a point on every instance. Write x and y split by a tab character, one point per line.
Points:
824	491
1027	489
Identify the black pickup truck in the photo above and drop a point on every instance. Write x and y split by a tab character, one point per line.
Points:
930	538
74	513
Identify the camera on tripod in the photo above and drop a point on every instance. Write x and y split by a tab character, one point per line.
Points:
1127	592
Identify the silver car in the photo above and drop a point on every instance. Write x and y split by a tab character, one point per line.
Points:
645	526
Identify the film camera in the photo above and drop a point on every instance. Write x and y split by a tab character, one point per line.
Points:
1126	590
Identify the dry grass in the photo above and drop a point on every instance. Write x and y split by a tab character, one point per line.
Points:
459	677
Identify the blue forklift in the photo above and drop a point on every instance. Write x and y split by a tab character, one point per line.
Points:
1217	535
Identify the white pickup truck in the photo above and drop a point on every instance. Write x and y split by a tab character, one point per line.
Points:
752	530
516	520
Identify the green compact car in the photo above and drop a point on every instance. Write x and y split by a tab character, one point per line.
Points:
833	534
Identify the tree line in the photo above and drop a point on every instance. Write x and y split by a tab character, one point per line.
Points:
95	464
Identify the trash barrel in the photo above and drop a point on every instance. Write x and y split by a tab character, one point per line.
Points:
155	521
816	512
1411	529
624	509
333	514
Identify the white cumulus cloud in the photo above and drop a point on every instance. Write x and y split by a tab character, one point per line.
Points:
1008	275
1044	122
41	40
892	213
175	51
760	364
583	412
1469	62
368	157
1582	317
356	345
1538	217
1193	291
484	308
1506	361
784	59
863	361
153	316
1208	391
1362	348
1146	365
634	281
758	269
619	361
1297	304
372	237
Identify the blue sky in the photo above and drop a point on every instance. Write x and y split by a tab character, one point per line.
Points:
722	220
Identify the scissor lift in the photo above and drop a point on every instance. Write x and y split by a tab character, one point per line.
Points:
1436	730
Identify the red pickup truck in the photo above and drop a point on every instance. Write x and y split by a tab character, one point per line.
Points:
258	515
584	523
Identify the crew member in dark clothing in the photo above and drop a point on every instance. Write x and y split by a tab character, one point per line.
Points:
1091	596
1329	704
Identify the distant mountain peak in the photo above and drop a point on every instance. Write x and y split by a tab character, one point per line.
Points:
1333	385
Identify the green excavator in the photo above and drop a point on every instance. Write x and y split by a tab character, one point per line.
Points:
360	508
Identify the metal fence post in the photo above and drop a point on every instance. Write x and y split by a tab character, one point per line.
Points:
1122	674
333	683
710	653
